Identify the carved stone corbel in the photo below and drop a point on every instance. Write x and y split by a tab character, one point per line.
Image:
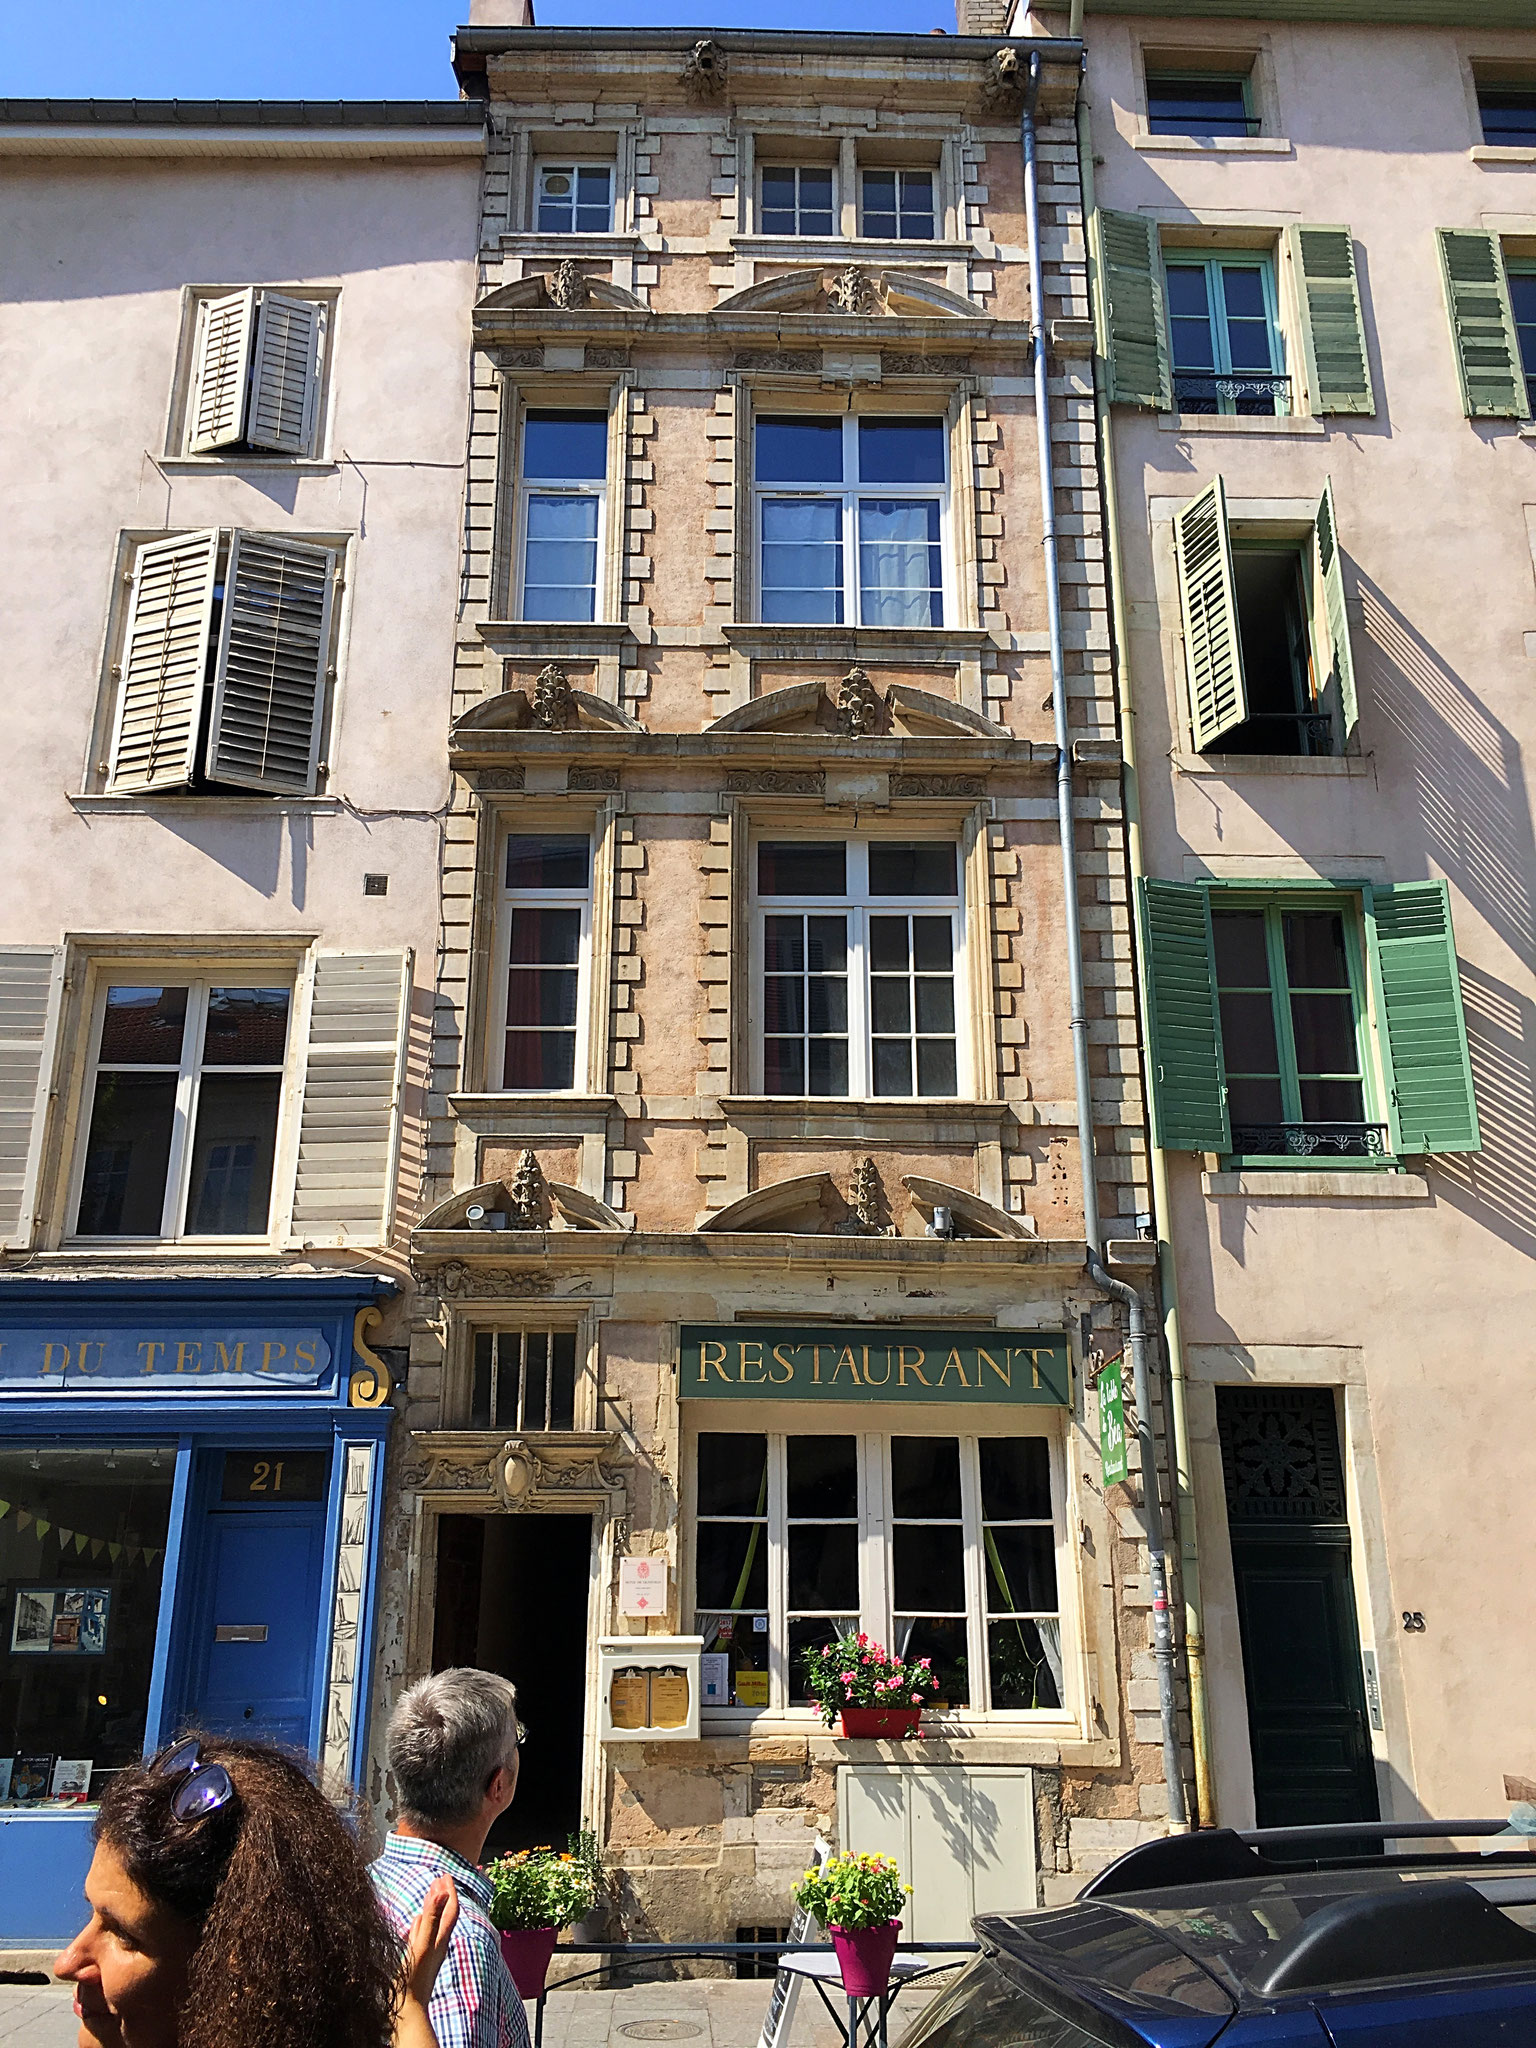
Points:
853	290
553	704
704	70
858	706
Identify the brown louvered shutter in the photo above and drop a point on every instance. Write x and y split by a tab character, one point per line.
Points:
164	662
221	373
1332	327
269	682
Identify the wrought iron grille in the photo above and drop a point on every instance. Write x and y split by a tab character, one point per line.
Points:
1310	1141
1280	1454
1251	395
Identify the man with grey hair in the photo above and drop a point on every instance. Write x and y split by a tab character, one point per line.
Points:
453	1752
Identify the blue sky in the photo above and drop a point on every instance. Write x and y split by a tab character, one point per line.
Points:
333	49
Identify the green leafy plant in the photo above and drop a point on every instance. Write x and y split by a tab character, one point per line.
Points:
853	1892
543	1887
855	1671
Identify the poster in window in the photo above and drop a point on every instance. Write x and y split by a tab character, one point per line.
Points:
94	1602
71	1780
31	1778
32	1624
66	1619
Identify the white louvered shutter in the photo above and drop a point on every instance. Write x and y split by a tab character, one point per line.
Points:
31	981
269	680
225	332
164	662
350	1117
285	382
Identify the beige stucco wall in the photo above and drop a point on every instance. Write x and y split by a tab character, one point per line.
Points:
1421	1305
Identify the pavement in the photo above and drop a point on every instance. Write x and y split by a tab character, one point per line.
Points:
695	2012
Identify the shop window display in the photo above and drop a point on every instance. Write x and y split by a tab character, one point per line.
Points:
82	1549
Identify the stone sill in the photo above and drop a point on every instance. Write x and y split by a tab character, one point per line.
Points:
850	248
1238	423
238	463
1493	153
1229	767
1215	145
1256	1184
883	1109
188	804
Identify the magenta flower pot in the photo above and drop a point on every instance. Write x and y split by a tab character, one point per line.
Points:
889	1724
864	1956
526	1952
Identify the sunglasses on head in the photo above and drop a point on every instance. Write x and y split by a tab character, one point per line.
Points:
205	1787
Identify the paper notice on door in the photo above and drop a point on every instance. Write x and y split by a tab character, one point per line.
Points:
669	1698
628	1699
751	1688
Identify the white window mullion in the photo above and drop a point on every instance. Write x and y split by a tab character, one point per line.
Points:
860	1076
975	1576
875	1537
173	1220
778	1575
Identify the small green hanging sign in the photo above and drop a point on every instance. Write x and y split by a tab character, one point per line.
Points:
1111	1390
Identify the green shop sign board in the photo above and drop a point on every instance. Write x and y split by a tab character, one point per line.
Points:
799	1362
1112	1422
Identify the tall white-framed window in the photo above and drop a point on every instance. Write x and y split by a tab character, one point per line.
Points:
897	205
544	931
797	199
857	947
940	1545
183	1102
562	486
573	199
851	513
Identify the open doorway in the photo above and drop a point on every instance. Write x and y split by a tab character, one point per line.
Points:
512	1594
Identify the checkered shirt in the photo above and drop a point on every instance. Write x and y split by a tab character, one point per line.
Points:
475	2004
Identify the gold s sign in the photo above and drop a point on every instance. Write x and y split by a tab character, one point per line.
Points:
371	1384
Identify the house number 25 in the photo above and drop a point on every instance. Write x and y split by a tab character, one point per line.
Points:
1413	1622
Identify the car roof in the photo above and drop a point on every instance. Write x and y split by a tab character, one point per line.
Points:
1225	1942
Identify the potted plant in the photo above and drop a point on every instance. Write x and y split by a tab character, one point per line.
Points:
857	1898
533	1895
875	1693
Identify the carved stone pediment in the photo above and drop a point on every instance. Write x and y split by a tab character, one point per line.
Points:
811	1205
852	291
565	287
549	708
560	1207
853	707
521	1473
970	1215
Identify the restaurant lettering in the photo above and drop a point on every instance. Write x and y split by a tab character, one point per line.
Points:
733	1362
175	1358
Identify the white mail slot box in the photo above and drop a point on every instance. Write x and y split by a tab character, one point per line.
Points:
649	1688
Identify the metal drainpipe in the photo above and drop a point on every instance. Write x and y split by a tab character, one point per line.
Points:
1168	1278
1162	1630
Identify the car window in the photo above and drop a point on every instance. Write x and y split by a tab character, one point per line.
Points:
987	2010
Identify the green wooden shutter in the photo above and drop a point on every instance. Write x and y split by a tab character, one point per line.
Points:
1332	330
1339	689
1218	696
1482	324
1133	334
1422	1031
1189	1087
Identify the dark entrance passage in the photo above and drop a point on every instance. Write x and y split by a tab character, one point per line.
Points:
512	1597
1296	1606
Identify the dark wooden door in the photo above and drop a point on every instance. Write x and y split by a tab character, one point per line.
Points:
1286	1512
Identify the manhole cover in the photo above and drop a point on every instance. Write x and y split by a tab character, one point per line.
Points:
661	2030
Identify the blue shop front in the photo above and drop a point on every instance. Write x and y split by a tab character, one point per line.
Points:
190	1479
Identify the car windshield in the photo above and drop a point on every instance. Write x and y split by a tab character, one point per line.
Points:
985	2009
1234	1929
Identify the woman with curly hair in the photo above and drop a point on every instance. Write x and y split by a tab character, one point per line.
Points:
230	1908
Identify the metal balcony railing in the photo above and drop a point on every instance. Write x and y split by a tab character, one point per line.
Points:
1249	395
1311	1141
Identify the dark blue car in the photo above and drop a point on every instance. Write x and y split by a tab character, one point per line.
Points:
1262	1941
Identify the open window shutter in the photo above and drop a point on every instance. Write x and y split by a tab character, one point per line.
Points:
1218	696
31	983
1339	690
350	1116
1189	1088
1133	331
1332	330
285	383
269	682
1431	1106
164	662
225	330
1482	324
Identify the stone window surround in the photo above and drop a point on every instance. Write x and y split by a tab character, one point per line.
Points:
582	139
497	816
95	768
91	962
464	1324
1223	48
520	393
771	391
1260	235
975	995
849	150
175	457
780	1418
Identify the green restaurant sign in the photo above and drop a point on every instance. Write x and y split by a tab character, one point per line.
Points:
809	1362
